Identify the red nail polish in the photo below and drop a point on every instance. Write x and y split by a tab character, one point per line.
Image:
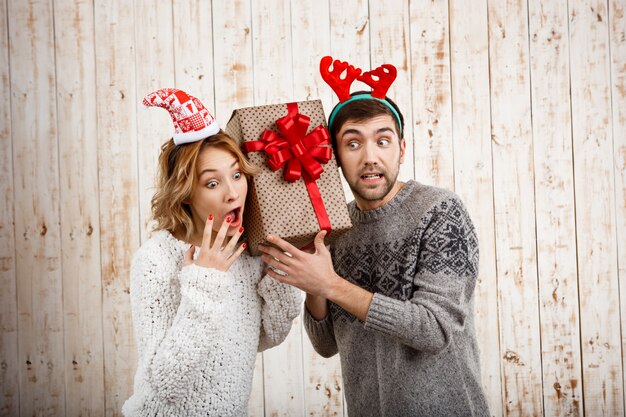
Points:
228	219
244	245
210	217
240	229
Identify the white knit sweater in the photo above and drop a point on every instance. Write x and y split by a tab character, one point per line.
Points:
198	330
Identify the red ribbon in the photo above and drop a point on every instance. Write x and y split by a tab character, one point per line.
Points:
302	154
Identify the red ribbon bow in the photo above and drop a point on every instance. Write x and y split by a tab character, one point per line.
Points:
303	154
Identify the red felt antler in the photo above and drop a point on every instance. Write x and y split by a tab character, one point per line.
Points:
380	79
341	86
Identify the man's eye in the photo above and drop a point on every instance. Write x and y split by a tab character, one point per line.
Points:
353	145
383	142
212	184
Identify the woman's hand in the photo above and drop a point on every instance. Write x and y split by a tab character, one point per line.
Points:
221	254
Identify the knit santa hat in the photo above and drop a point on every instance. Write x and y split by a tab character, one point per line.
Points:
192	121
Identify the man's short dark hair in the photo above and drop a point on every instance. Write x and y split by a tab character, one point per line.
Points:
360	110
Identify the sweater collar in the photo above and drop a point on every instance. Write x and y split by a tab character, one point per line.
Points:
367	216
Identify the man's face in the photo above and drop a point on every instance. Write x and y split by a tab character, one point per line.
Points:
371	152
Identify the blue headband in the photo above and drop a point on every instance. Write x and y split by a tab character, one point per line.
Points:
363	96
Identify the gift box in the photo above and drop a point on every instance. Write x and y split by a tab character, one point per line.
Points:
297	191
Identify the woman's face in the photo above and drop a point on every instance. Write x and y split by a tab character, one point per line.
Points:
221	190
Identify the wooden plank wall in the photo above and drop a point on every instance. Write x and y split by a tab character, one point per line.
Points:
518	106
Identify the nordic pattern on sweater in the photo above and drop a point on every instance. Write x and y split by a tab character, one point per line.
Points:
198	330
416	352
449	247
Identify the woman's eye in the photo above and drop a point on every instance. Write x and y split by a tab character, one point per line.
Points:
212	184
237	175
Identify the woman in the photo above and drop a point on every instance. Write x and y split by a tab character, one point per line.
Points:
201	306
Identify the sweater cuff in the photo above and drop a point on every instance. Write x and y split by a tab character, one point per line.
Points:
317	329
383	314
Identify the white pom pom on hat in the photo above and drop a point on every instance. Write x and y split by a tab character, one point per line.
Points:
192	121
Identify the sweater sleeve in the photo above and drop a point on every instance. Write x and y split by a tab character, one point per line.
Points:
321	334
280	304
170	350
444	283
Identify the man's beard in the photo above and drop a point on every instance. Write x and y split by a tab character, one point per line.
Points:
376	193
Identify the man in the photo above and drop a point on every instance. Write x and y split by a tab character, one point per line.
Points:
394	296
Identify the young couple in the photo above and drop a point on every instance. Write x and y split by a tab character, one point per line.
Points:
393	296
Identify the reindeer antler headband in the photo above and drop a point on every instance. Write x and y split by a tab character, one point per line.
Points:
379	79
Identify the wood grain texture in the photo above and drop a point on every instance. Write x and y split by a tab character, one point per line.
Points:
514	206
80	215
9	382
595	208
154	70
117	105
521	112
192	26
617	39
473	178
36	191
432	95
556	228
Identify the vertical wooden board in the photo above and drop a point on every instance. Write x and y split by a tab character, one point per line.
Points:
323	395
617	37
350	35
310	32
119	207
80	226
430	84
36	188
514	206
349	41
390	40
554	191
193	49
469	73
154	57
595	208
273	83
9	383
232	53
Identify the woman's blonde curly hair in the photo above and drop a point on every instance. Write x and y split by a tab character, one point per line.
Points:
177	177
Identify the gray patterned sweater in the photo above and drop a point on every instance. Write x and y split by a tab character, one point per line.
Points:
416	352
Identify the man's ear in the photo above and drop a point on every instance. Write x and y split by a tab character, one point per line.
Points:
402	149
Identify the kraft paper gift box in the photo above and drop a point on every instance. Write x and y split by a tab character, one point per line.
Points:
290	141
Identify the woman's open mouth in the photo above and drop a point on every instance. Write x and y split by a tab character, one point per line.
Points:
235	217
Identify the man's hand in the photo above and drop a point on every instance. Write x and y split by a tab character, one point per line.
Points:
311	272
314	274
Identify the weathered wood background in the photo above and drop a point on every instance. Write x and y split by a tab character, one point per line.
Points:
518	106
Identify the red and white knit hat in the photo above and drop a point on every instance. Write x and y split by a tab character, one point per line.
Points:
192	121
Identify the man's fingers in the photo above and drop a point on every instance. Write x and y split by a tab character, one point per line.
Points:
274	262
284	245
319	241
278	277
